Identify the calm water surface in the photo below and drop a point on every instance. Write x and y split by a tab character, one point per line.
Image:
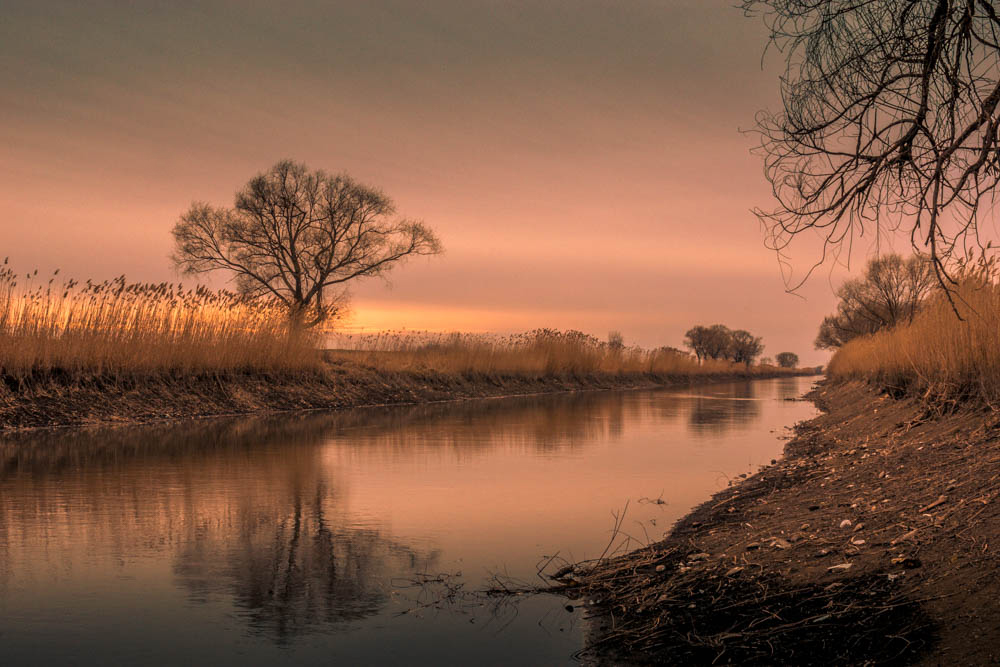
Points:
357	537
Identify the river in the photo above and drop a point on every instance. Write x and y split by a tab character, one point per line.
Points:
357	537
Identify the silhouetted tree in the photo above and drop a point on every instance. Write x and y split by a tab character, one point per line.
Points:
616	343
712	342
889	293
787	359
890	121
719	342
693	340
295	235
745	347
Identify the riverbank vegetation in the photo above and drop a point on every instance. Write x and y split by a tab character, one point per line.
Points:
80	353
889	292
116	327
947	353
538	352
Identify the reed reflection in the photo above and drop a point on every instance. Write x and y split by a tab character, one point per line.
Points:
565	421
251	511
299	525
525	423
245	510
301	522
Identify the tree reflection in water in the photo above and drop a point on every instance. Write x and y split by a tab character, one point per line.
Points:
726	407
291	568
245	509
788	388
256	513
248	509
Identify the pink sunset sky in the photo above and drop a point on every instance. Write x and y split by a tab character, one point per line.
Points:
581	161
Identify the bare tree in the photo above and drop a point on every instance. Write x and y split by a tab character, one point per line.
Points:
787	359
695	340
889	293
712	342
889	121
300	236
719	342
745	347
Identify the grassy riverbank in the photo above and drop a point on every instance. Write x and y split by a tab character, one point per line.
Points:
874	540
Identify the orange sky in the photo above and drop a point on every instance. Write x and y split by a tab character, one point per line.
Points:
581	161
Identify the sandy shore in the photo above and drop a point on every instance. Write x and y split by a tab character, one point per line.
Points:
56	400
875	540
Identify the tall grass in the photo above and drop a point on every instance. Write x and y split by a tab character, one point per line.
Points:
938	357
535	353
117	327
121	327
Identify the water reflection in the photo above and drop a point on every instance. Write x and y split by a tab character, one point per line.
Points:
727	407
278	528
251	509
557	422
291	566
247	511
788	388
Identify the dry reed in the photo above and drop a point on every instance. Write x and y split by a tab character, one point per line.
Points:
536	353
118	327
938	357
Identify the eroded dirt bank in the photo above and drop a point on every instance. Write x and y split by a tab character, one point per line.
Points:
875	540
64	400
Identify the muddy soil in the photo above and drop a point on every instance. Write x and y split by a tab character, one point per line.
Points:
875	540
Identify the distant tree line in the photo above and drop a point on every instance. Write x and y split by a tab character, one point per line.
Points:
721	342
891	291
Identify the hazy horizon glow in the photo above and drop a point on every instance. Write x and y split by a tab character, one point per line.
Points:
581	161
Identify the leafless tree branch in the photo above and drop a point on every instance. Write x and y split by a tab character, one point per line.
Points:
889	122
297	236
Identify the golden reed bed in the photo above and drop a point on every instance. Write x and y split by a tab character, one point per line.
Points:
938	357
116	327
536	353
